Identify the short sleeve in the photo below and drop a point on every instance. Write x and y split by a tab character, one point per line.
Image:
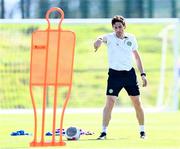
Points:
103	38
106	38
135	44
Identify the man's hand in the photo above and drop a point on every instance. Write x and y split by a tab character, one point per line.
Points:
97	44
144	81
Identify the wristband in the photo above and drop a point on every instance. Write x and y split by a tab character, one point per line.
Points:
143	74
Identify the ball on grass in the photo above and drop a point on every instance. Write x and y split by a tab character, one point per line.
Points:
72	133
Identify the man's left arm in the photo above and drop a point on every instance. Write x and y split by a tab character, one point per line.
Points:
140	67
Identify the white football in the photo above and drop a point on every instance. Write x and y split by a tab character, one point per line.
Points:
72	133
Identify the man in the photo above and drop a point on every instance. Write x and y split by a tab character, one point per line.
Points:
121	46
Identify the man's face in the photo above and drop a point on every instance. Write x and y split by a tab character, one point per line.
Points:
118	28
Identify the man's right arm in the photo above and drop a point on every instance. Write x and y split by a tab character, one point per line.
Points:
98	42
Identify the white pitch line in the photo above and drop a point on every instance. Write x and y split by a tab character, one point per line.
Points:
81	110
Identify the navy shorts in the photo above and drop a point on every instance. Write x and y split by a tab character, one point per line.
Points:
122	79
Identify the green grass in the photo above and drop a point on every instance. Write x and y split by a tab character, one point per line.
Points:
90	69
163	131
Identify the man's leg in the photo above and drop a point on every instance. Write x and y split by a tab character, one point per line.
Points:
139	113
107	114
108	109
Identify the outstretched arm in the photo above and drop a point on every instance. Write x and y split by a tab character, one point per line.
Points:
140	67
97	43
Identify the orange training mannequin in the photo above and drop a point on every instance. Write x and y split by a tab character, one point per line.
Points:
52	57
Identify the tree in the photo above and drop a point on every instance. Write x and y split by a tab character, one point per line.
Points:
43	8
64	5
127	8
140	8
2	9
174	9
134	8
28	4
84	8
105	8
22	8
150	8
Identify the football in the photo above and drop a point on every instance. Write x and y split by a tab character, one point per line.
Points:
72	133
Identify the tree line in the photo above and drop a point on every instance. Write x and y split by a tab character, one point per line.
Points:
128	8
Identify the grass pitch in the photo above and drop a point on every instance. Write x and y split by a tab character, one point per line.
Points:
90	68
163	131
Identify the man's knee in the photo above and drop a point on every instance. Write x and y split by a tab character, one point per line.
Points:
136	101
110	101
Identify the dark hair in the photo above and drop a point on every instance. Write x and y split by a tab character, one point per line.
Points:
118	18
